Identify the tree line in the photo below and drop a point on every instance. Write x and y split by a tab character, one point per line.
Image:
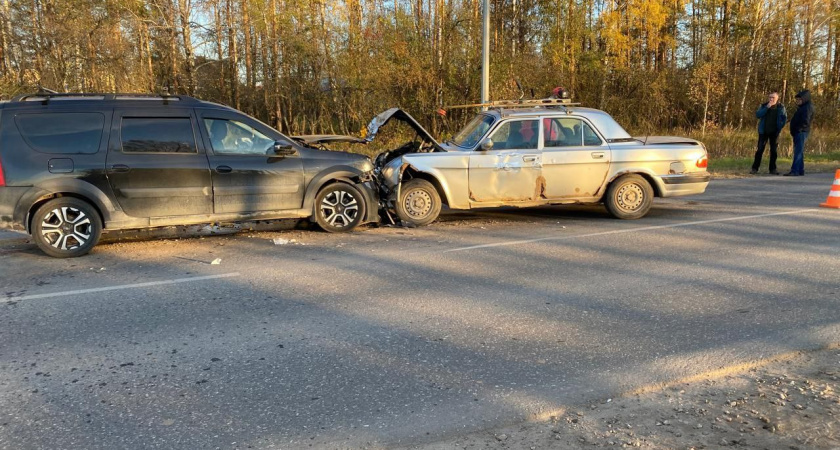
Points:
307	66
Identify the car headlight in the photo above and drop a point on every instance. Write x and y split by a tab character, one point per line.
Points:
390	173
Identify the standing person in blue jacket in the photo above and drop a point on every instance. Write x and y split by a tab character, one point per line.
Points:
771	119
800	126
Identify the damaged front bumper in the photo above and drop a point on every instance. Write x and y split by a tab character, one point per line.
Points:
385	178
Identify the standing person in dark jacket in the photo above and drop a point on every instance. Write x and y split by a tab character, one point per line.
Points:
771	119
800	126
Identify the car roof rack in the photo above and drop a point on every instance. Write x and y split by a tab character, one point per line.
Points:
507	104
46	95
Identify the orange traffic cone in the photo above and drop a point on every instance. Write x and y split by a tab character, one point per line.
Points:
833	200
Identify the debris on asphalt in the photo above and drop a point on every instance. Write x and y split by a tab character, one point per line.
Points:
216	261
281	241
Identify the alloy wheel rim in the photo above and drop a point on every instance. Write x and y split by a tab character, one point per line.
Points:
418	203
340	208
66	228
630	197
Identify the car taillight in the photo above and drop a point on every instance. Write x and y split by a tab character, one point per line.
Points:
703	162
2	180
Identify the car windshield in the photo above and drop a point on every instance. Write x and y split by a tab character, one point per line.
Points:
471	133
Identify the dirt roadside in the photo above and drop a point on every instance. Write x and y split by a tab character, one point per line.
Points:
791	401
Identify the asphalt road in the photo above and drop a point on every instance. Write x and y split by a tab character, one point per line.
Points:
391	336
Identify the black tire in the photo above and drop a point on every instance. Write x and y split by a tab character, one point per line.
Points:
629	197
66	227
419	203
339	207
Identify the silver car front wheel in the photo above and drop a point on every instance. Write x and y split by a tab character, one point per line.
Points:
419	203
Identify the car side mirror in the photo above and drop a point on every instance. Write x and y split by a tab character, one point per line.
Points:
284	149
486	144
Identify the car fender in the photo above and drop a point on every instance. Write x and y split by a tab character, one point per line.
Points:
72	186
439	179
654	179
346	174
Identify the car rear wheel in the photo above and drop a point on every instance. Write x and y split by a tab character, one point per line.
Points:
339	207
66	227
419	203
629	197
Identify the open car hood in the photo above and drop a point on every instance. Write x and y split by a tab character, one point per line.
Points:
402	116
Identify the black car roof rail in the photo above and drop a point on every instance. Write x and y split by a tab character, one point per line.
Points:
45	96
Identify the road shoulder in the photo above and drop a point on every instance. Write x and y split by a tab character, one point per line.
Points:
789	401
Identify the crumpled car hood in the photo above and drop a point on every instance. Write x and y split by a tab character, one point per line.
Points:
402	116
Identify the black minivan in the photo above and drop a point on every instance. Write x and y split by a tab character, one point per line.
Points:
73	165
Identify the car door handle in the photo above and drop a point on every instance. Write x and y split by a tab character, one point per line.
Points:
223	169
529	158
597	155
120	168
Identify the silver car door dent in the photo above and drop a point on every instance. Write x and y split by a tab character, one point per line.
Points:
506	176
501	176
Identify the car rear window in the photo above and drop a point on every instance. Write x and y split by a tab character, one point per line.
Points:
158	135
66	133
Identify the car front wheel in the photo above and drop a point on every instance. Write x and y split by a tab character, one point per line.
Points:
629	197
339	207
419	203
66	227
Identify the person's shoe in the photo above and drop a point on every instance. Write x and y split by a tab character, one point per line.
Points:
774	172
790	174
753	171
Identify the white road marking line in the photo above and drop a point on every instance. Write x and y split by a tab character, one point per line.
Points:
631	230
116	288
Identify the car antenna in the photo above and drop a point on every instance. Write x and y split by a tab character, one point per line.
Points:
521	91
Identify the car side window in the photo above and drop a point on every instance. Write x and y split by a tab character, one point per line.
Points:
231	137
157	135
68	133
589	136
562	132
516	134
568	132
